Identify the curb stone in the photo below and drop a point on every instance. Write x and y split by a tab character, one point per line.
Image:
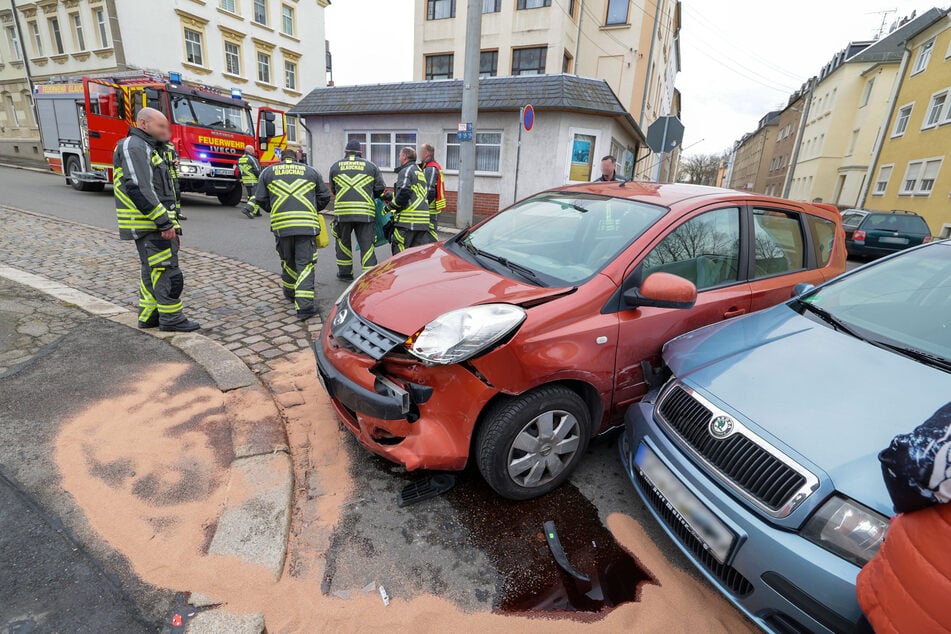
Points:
255	521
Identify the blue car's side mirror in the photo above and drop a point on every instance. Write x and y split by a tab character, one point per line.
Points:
802	288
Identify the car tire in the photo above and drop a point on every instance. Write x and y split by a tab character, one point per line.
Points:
529	445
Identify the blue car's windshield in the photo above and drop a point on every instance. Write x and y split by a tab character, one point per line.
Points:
903	303
563	238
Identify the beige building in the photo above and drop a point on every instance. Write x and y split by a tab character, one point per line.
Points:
752	156
782	151
272	50
632	46
850	103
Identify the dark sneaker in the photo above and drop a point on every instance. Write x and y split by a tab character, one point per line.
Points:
304	315
183	326
151	323
247	214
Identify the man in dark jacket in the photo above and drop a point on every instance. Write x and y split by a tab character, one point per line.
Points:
435	184
146	212
250	170
609	170
294	194
409	205
355	183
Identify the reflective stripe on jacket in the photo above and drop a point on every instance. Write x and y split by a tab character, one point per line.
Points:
293	193
409	199
249	168
355	183
142	187
436	186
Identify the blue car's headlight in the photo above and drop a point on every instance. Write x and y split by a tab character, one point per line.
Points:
848	529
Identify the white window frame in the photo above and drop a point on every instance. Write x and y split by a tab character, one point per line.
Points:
878	179
13	41
903	189
293	20
292	135
37	38
290	66
867	92
925	51
56	35
102	25
895	131
940	116
79	33
13	111
447	134
254	13
236	55
231	6
393	145
919	189
264	62
200	44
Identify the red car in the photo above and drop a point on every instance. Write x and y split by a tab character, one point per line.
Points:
517	340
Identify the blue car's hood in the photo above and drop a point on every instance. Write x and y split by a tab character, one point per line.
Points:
835	400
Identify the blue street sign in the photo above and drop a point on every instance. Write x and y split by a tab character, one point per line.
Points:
528	117
464	136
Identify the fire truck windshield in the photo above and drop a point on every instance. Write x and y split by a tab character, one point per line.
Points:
205	113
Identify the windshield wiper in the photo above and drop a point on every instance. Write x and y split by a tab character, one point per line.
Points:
918	355
827	317
525	272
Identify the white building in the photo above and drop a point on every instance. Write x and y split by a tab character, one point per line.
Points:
272	50
577	122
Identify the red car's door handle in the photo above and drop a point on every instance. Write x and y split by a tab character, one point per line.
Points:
734	312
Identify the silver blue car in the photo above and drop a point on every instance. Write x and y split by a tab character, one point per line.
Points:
758	454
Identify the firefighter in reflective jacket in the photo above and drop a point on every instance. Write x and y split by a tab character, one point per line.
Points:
170	154
409	205
293	193
435	186
355	183
145	210
250	170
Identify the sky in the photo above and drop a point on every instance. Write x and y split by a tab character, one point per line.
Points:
740	58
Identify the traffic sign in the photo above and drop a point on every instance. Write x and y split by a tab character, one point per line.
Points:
665	134
528	117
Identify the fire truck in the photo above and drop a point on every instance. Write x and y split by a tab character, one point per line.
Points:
82	119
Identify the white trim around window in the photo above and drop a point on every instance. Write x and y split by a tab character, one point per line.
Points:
937	111
920	176
923	57
902	119
881	181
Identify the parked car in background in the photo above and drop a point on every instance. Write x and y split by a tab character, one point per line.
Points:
759	454
873	233
517	340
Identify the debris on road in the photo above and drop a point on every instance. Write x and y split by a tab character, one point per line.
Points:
384	595
425	489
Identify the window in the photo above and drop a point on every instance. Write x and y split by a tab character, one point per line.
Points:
439	67
287	20
529	61
488	64
292	129
16	51
56	36
911	178
193	48
384	146
491	6
853	140
823	238
228	5
935	109
264	68
617	12
78	31
901	121
260	11
440	9
14	116
488	152
232	58
290	75
103	28
924	56
37	40
571	8
881	183
106	100
532	4
867	93
704	250
566	63
929	174
777	242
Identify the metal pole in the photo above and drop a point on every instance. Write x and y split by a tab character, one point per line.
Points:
470	112
578	41
26	64
663	152
518	149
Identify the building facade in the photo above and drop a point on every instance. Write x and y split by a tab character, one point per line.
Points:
783	149
752	156
910	172
577	122
634	47
272	50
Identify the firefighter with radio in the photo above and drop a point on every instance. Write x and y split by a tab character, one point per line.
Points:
355	183
145	209
293	194
411	222
250	170
170	154
435	186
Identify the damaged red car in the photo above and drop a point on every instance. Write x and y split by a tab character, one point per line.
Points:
517	340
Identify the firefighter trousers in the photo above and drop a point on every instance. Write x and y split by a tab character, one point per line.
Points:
160	288
405	239
365	233
298	257
434	224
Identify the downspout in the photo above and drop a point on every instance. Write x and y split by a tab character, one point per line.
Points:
883	133
26	64
578	41
794	161
650	59
115	32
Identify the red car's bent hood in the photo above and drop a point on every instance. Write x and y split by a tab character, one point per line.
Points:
407	292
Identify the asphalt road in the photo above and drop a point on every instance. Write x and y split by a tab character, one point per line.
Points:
210	226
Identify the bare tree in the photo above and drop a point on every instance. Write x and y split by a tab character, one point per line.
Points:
699	169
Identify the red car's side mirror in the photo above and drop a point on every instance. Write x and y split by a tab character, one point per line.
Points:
663	290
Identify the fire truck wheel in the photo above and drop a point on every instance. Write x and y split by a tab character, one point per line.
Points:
73	165
232	197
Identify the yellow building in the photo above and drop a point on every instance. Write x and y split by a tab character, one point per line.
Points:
909	172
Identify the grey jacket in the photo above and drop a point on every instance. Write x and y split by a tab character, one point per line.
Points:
144	191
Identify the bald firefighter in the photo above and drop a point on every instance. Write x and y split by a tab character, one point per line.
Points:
146	212
293	194
435	185
355	183
409	205
250	170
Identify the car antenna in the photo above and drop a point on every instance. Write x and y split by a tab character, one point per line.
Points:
623	184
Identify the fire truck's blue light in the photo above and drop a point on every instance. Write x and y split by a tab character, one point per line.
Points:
236	93
175	78
203	155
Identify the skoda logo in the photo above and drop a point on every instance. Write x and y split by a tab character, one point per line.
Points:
341	317
721	426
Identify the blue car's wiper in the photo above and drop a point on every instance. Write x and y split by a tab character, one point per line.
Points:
827	317
918	355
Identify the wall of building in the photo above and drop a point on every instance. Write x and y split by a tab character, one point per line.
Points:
919	141
781	150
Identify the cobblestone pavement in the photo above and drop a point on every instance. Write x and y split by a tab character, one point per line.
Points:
31	321
238	305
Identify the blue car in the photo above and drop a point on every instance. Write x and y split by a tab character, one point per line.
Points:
759	454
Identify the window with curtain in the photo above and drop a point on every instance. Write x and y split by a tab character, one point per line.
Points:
488	152
440	9
439	67
529	61
488	64
384	145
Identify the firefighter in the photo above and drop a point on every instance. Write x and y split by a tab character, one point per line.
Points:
293	193
409	205
250	170
145	210
171	157
355	183
436	186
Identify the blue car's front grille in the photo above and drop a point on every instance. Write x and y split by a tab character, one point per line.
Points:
748	465
728	575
